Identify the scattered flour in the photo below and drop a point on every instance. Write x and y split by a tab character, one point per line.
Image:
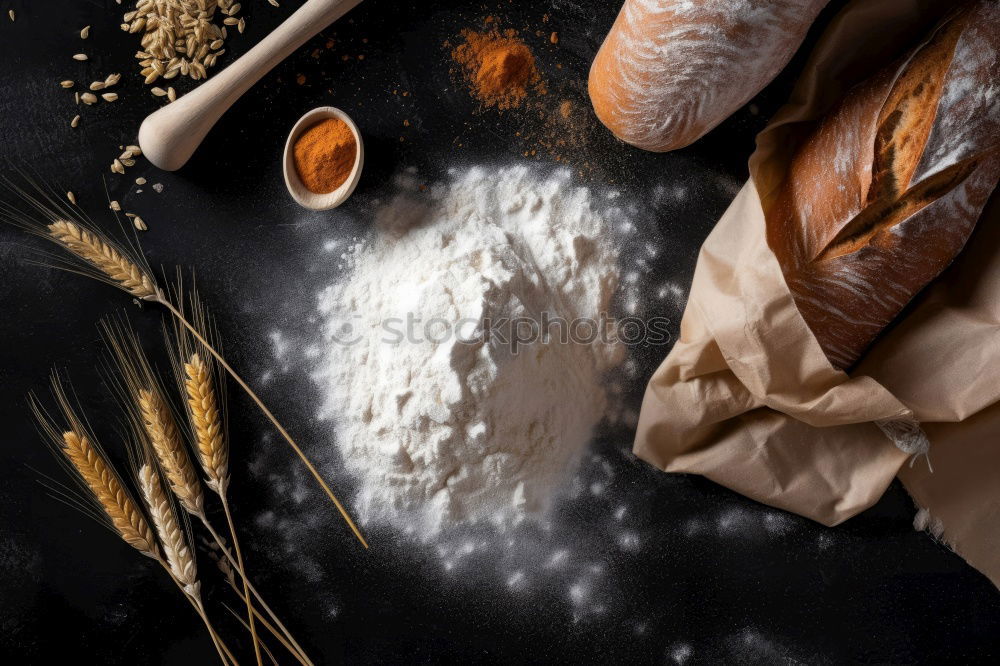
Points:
446	403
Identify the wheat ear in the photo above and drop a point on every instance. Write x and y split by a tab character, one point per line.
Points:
213	453
165	438
179	559
203	407
173	539
97	474
103	255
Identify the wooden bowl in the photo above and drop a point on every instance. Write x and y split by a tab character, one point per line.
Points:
299	192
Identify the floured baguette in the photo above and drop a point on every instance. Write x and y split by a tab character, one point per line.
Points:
887	189
671	70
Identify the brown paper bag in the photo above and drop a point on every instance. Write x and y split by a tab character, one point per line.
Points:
746	396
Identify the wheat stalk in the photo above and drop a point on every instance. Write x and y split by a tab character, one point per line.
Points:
106	257
100	478
117	508
170	451
208	431
125	268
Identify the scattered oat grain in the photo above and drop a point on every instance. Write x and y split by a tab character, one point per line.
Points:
110	97
80	56
115	206
66	84
71	197
88	98
97	85
158	91
139	224
85	32
75	122
171	94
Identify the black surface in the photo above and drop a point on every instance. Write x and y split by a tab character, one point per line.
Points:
715	577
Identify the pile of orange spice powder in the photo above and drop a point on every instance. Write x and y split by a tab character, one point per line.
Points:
498	66
324	155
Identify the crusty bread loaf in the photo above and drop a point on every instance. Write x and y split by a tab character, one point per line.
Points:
887	189
671	70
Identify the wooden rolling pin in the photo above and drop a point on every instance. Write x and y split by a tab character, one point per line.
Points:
170	136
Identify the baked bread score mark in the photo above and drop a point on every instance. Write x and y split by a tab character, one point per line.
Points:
887	189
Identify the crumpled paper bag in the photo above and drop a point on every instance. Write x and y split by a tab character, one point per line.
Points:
746	396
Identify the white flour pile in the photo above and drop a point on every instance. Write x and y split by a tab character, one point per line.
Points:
441	422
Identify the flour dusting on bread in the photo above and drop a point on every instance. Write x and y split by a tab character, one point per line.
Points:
671	70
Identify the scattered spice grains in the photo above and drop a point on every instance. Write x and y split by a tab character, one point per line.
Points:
498	66
324	155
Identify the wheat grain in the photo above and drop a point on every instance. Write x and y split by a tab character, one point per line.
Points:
71	198
204	410
88	98
110	97
105	257
98	476
97	85
173	538
80	56
75	122
85	32
170	452
177	36
67	83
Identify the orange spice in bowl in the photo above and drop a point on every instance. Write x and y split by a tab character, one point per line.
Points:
324	155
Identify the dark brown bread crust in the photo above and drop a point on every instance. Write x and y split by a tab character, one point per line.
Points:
887	189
